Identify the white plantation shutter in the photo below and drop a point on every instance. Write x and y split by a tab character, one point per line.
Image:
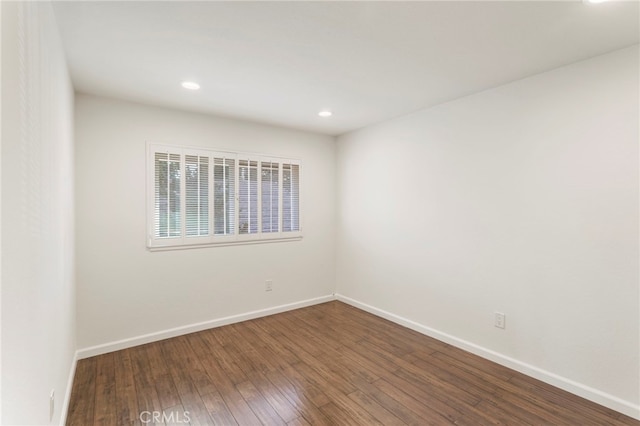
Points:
203	197
270	196
290	197
248	196
224	184
167	205
196	176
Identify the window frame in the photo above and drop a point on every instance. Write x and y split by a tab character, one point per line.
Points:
183	241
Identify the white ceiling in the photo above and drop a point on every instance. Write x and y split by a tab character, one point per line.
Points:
281	62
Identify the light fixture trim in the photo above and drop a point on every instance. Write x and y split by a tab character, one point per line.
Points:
190	85
325	113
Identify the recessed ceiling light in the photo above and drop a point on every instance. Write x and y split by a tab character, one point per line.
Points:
325	113
190	85
594	1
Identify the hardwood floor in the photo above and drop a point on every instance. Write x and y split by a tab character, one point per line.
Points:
329	364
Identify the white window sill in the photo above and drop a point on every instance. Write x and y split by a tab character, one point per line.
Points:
188	246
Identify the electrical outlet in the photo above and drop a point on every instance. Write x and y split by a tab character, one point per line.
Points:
500	320
52	403
268	285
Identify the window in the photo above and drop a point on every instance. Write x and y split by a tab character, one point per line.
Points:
201	197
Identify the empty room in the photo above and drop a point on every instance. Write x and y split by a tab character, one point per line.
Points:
320	213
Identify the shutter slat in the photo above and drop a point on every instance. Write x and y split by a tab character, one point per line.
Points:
248	197
196	195
223	196
290	197
167	214
270	196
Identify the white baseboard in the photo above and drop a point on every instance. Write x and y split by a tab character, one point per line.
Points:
192	328
595	395
67	394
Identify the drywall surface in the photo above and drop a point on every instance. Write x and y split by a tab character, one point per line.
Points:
522	199
124	290
38	302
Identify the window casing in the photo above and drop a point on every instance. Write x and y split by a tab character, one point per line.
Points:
203	197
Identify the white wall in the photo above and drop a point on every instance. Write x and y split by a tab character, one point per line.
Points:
38	305
0	213
521	199
125	291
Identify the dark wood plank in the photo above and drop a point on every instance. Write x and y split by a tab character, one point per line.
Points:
447	405
595	412
304	397
216	349
105	390
429	415
184	370
146	393
510	398
127	412
336	416
218	410
334	388
173	416
210	362
153	369
275	398
263	410
390	404
82	403
255	363
267	342
298	421
374	408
